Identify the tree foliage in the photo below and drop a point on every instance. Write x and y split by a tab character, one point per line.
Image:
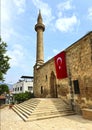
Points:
4	60
4	88
21	97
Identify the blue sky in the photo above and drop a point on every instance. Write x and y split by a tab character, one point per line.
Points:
65	22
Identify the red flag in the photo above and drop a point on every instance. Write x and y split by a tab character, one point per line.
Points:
60	65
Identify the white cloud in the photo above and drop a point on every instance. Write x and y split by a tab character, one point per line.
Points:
20	4
61	8
65	24
90	13
6	19
5	16
66	20
9	11
67	5
5	12
45	10
16	54
64	6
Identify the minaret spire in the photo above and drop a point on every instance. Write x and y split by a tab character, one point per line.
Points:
39	28
39	20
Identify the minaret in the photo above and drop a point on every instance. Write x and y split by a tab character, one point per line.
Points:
39	28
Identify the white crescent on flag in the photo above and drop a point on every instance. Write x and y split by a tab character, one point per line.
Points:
59	62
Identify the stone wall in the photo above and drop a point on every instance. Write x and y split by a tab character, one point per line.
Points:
79	60
79	65
42	78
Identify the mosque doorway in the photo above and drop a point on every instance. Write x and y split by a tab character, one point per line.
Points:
53	86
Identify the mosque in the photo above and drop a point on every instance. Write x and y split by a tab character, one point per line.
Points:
67	75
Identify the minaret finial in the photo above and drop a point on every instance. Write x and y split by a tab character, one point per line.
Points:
39	20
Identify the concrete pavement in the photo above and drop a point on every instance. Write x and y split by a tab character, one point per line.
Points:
9	120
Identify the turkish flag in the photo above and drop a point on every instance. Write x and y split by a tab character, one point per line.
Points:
60	65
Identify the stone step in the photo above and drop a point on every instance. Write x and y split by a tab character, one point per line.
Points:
28	106
20	114
48	116
29	103
24	110
31	108
32	101
48	109
40	113
49	112
38	110
42	109
21	111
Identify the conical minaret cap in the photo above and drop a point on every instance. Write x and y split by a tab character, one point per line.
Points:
39	20
39	24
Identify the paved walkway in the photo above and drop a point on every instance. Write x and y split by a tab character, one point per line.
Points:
9	120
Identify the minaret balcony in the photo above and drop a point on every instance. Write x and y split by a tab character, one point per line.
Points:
39	26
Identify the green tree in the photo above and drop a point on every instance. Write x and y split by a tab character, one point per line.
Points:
4	88
4	60
21	97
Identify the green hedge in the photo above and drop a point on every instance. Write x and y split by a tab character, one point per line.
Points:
21	97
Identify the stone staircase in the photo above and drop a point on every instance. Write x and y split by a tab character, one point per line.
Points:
42	108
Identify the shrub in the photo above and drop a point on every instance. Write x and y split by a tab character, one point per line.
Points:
21	97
